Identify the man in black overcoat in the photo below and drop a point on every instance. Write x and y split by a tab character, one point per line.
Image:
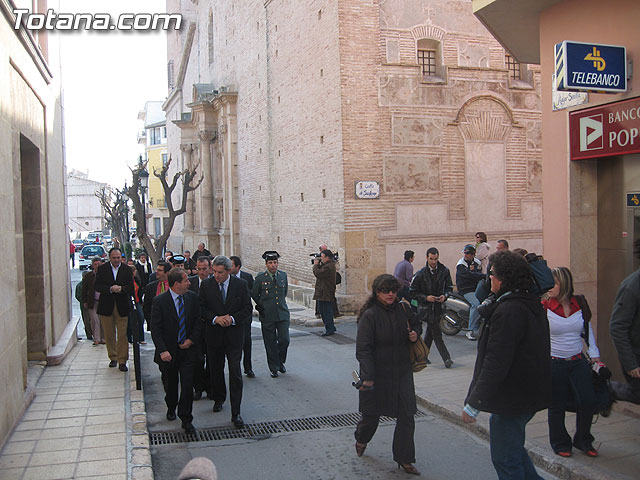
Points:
177	333
246	347
202	373
114	281
226	307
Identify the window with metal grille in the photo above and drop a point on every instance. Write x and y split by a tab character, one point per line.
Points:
513	67
427	62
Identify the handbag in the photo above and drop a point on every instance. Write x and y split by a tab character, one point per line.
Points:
418	350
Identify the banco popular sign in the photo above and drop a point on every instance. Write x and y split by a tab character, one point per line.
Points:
605	130
590	67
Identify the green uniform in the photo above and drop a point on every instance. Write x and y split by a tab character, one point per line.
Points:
270	292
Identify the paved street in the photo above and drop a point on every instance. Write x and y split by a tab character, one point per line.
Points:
317	382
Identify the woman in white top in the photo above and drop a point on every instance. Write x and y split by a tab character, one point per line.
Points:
570	369
482	250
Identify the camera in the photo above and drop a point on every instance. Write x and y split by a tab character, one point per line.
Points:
317	255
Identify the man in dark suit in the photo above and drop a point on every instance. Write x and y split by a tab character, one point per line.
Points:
236	264
202	373
155	288
177	333
226	307
114	281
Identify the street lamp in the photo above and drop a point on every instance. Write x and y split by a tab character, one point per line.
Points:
144	184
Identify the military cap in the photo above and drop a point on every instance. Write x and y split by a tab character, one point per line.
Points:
270	255
177	259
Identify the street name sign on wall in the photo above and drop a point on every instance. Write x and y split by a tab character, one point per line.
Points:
590	67
605	130
367	190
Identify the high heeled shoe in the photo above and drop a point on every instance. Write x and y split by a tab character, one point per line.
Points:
408	468
360	448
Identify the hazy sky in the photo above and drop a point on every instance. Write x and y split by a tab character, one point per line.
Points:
107	77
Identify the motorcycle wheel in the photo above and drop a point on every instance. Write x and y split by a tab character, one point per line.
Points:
446	327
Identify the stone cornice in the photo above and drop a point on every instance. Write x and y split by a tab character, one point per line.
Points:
27	41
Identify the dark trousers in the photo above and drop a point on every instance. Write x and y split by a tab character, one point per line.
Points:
136	320
629	392
434	334
217	350
86	321
202	372
246	348
506	442
180	366
571	379
336	310
276	342
404	293
326	312
404	450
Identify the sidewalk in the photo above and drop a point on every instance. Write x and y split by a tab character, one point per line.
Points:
617	437
86	421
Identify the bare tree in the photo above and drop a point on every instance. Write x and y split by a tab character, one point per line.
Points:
115	211
189	184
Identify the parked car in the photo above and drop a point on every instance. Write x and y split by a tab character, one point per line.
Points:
87	254
78	243
94	237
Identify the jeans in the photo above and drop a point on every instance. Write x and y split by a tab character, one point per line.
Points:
474	316
326	311
506	441
571	379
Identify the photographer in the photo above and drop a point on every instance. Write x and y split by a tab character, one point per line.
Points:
324	269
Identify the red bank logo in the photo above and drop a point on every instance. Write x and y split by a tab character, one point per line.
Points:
591	137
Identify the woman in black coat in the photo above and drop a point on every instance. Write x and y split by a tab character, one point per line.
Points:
385	328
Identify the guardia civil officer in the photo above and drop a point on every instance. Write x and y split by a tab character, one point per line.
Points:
269	292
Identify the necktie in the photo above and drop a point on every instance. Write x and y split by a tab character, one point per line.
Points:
222	293
162	287
182	329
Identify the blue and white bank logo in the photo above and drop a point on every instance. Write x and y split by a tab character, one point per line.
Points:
590	67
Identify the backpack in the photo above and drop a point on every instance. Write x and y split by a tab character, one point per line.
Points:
542	276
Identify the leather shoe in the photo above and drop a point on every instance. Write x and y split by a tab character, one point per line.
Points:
274	374
123	367
448	362
217	406
282	369
250	374
171	415
237	421
327	334
197	395
113	363
189	429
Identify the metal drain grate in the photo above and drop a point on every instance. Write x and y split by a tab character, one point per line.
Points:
263	429
337	338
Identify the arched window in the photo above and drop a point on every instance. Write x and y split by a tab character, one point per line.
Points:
210	37
429	57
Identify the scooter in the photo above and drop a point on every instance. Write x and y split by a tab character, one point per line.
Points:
455	314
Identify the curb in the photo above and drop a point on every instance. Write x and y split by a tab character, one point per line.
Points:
138	449
565	470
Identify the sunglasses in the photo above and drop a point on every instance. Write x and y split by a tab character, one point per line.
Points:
387	290
492	273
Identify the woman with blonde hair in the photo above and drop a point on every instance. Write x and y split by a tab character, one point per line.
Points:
569	316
